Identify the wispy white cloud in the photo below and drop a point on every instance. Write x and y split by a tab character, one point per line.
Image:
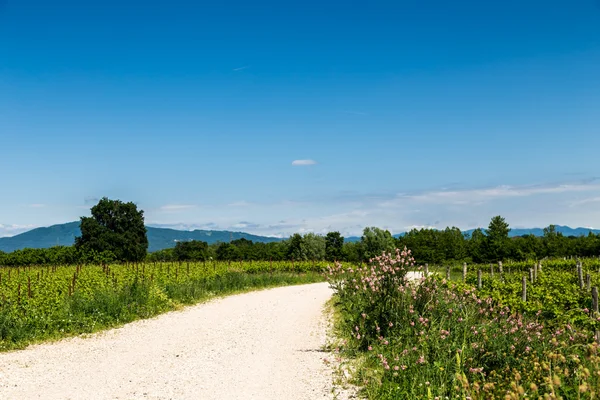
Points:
479	196
582	202
184	226
241	68
572	203
7	230
411	227
300	163
241	203
177	207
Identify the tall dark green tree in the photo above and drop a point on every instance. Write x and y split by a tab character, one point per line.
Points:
227	252
554	242
193	250
334	246
313	246
245	248
498	241
295	249
375	241
114	227
478	245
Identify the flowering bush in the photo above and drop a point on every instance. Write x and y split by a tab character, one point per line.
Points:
431	339
367	294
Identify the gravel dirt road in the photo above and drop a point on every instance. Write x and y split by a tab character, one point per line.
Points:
261	345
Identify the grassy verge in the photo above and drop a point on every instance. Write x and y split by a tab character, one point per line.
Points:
438	340
96	310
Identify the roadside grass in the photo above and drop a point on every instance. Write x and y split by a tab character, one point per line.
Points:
103	308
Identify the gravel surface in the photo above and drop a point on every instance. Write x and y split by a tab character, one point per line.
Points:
260	345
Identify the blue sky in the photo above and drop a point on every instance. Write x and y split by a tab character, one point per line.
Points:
413	113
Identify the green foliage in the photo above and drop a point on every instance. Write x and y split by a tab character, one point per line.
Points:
432	338
114	227
334	246
295	249
313	246
227	252
37	303
193	250
353	252
428	245
375	242
497	239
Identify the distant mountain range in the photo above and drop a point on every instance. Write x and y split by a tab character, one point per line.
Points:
158	238
565	230
163	238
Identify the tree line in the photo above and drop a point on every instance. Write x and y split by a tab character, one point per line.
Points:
427	245
116	232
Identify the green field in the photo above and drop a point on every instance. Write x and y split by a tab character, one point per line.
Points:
449	339
45	302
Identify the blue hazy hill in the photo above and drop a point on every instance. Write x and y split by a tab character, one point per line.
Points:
158	238
564	230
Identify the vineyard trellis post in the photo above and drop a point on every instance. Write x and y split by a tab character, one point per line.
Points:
524	291
594	301
588	282
479	286
464	272
580	274
448	273
492	271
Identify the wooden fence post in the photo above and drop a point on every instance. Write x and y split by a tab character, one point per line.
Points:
500	268
479	279
492	271
426	269
447	273
588	282
464	272
580	274
594	301
531	275
524	293
535	272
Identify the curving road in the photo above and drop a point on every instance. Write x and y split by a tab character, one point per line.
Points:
260	345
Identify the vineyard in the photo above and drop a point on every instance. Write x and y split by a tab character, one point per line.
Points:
512	330
45	302
471	331
558	290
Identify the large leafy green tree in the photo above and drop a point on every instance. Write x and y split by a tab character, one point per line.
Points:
295	248
375	241
334	245
115	228
478	246
554	243
453	244
193	250
314	246
245	248
353	252
227	252
498	241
